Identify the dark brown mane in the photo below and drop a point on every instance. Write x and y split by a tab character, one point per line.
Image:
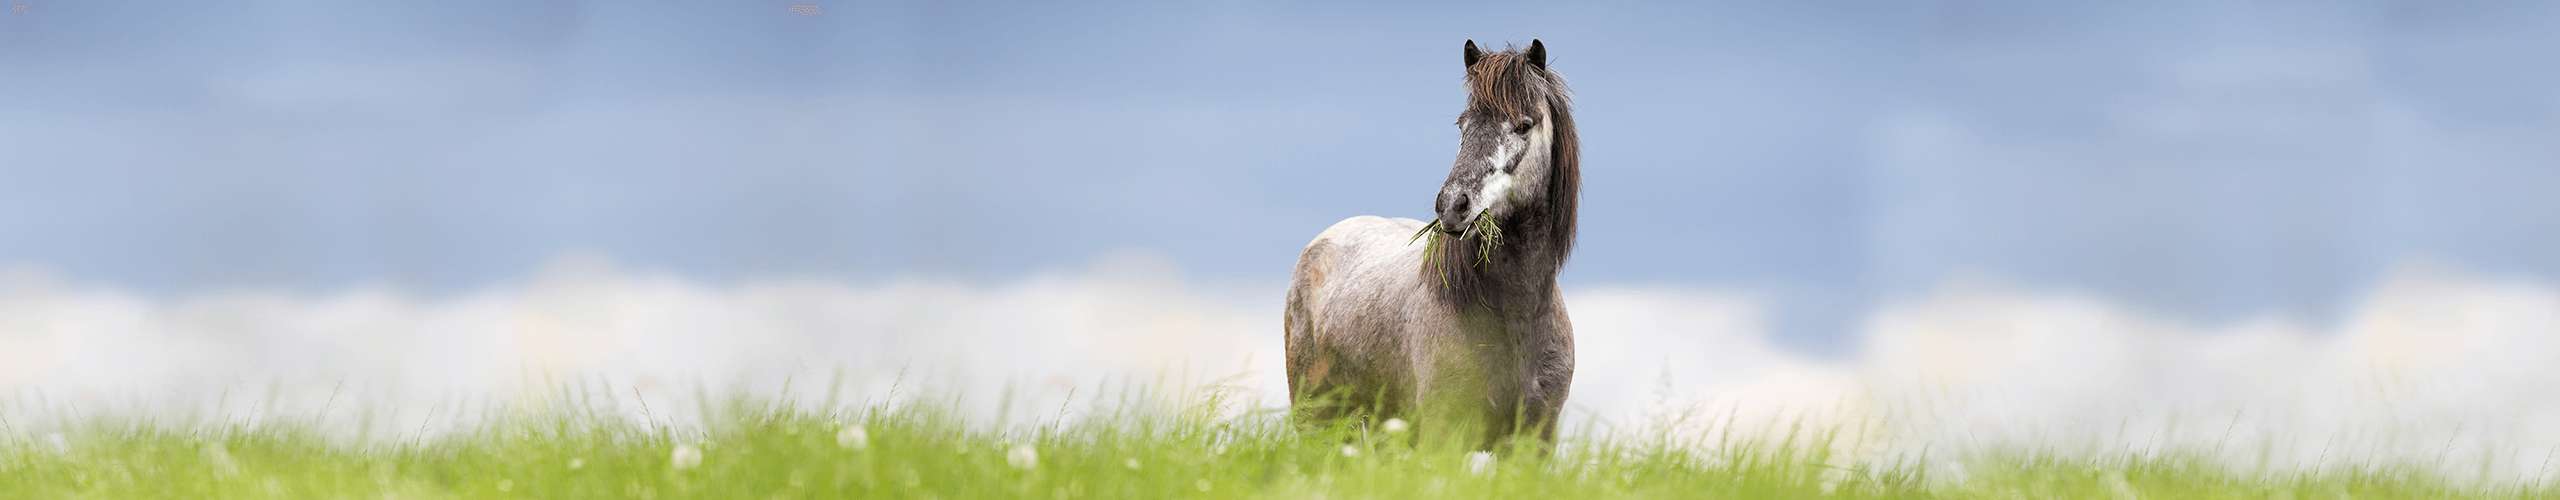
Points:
1508	83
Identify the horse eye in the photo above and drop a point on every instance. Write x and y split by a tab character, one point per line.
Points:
1524	126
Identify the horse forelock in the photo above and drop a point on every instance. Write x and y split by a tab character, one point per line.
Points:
1507	83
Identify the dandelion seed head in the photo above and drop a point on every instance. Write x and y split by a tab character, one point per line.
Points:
1480	463
685	456
853	437
1022	457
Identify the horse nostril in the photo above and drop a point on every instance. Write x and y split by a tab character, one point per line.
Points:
1453	210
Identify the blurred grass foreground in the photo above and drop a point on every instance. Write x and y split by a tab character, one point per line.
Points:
1202	446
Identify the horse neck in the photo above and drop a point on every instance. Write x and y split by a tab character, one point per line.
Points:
1522	274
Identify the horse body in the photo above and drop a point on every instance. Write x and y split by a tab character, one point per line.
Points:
1466	331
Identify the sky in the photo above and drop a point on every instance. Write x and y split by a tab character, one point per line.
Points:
2216	161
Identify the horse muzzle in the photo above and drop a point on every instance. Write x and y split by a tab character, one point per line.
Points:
1455	213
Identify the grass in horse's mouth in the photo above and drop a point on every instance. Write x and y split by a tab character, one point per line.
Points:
1485	230
1430	237
1488	234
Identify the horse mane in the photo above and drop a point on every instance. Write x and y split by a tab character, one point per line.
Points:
1508	83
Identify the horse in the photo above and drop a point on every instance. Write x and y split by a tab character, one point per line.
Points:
1456	323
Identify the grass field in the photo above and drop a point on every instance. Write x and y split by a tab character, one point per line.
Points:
756	450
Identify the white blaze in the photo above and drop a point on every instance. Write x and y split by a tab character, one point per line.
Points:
1497	184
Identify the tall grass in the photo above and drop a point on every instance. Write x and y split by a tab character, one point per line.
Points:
1198	447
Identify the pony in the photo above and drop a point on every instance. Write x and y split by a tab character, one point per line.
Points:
1455	324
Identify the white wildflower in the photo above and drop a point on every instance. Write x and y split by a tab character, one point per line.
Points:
1132	463
1351	451
685	457
1480	463
1023	457
853	437
1394	426
577	463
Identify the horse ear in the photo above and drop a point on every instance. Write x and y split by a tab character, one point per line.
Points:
1472	53
1537	53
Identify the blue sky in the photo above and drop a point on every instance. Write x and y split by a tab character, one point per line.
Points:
2210	160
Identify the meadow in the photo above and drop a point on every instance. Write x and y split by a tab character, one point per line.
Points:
1201	448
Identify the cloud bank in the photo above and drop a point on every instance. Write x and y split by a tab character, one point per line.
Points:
2429	368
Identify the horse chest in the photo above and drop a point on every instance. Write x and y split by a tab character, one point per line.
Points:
1481	357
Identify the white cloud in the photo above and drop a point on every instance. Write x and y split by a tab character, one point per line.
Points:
2427	368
